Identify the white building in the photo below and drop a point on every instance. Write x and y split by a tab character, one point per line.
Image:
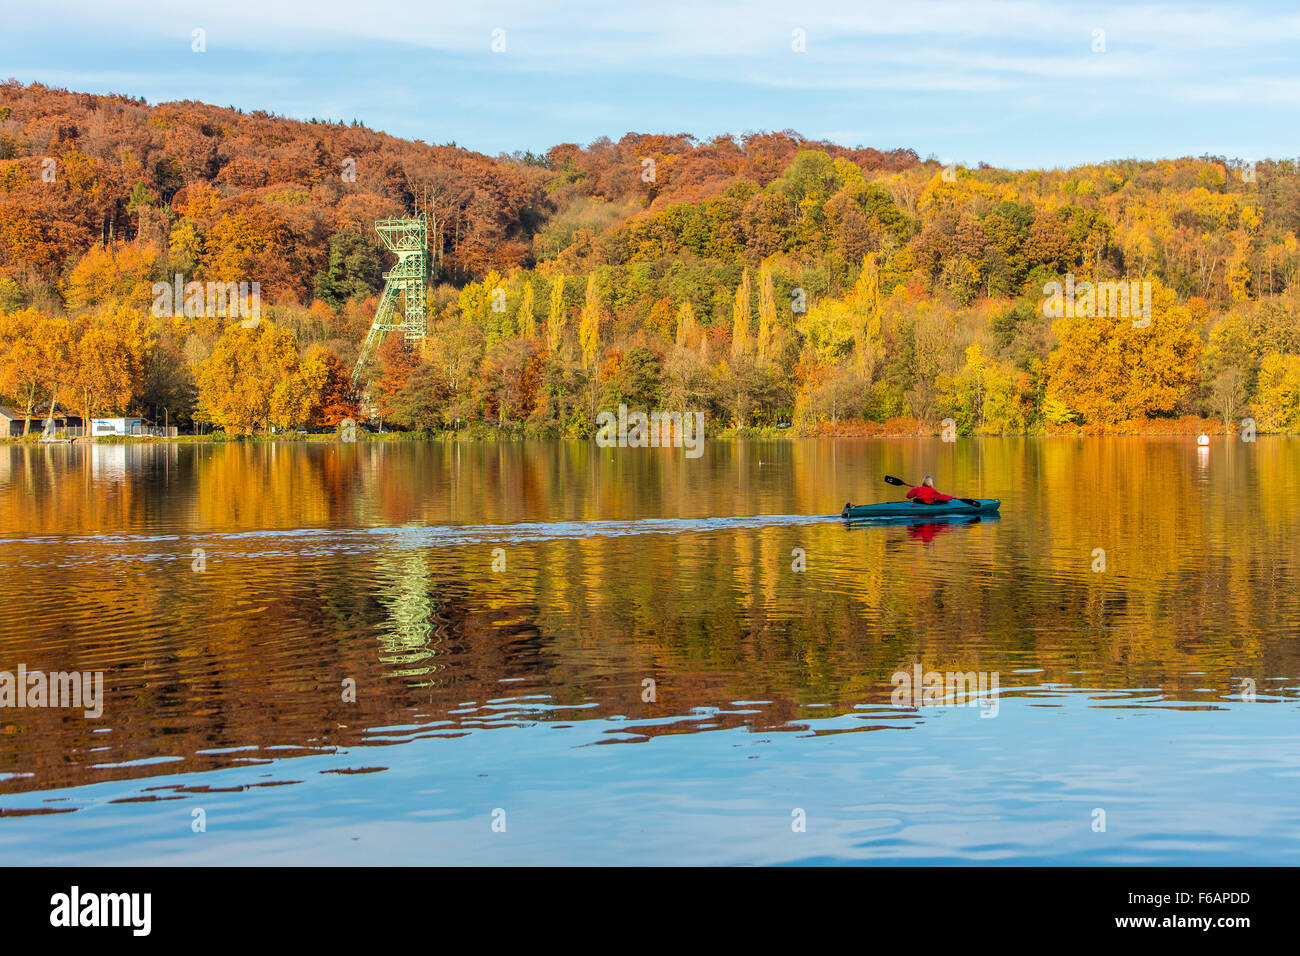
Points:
116	426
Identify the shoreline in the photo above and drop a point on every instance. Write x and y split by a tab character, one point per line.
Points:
857	431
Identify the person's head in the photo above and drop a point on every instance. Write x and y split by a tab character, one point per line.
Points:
929	481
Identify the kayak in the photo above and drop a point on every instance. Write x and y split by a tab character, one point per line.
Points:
914	510
932	521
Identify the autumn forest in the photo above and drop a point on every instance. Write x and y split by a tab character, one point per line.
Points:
765	279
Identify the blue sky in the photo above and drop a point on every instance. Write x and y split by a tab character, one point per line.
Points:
1014	84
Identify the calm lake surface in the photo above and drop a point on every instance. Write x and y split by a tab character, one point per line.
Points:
567	654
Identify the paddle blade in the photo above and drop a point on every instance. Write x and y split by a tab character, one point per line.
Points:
970	501
891	480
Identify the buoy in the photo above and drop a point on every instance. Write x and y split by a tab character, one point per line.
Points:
1203	440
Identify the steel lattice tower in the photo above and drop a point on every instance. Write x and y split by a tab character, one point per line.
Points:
408	239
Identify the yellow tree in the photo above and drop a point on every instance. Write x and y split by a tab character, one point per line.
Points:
527	321
740	317
1110	368
865	300
1238	273
483	303
185	244
827	329
982	395
767	316
557	317
589	330
686	325
298	392
248	381
1277	398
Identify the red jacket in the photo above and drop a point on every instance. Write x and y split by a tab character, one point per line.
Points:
927	495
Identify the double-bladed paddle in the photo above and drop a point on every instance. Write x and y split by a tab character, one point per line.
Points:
891	480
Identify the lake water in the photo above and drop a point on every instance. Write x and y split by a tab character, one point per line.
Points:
567	654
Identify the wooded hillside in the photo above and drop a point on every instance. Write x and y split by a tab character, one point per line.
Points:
761	279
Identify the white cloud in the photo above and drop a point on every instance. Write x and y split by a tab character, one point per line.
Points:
571	69
675	28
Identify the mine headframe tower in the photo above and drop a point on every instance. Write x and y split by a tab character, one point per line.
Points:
402	304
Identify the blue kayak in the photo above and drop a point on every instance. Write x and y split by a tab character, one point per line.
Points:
916	510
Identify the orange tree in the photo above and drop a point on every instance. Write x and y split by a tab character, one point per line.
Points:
108	361
21	358
1108	369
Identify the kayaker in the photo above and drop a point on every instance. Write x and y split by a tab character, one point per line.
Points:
926	494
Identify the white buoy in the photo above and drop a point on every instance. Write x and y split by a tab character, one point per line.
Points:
1203	440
